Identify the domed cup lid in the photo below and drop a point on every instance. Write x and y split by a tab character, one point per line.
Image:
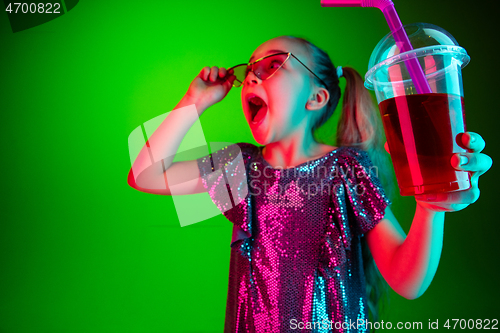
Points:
425	38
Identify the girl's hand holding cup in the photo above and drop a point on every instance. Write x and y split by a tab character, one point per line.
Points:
475	163
210	86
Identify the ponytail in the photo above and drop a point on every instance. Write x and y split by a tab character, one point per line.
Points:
360	126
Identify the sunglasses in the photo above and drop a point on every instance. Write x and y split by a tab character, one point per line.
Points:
264	68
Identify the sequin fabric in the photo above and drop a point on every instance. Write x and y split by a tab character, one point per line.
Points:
295	253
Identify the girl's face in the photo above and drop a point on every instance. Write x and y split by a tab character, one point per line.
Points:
283	96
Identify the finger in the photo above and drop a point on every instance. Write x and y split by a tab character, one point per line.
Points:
231	76
213	74
457	198
204	73
222	72
472	141
229	82
473	162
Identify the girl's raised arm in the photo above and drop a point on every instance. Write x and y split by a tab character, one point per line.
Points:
208	88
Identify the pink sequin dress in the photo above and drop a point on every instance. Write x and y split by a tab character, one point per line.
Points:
295	253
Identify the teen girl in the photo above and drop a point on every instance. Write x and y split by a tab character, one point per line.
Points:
298	259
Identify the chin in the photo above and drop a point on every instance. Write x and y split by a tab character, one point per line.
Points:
261	140
261	137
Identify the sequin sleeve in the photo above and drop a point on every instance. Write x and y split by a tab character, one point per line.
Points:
224	176
366	199
358	204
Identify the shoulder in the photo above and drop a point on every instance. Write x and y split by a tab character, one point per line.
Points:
228	149
247	148
357	163
228	153
354	155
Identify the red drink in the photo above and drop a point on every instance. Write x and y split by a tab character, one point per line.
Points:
421	132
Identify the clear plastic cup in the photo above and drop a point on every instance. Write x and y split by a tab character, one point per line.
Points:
422	129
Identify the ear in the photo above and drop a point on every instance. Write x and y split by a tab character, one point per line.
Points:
318	99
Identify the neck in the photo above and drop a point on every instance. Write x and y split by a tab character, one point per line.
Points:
294	150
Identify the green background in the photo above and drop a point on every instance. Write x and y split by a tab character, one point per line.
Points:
81	251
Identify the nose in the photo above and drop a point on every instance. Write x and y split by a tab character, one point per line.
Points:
251	77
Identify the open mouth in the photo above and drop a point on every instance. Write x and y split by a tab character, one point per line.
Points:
258	109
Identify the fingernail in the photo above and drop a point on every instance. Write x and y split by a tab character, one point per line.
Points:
464	160
472	139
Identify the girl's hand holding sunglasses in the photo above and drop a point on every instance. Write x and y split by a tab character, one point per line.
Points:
210	86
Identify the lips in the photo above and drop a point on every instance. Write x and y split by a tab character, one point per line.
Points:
257	107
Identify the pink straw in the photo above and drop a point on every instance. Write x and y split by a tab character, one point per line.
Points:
400	37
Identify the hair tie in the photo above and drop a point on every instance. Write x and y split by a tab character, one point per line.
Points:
340	72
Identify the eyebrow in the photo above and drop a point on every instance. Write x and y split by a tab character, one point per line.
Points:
267	53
